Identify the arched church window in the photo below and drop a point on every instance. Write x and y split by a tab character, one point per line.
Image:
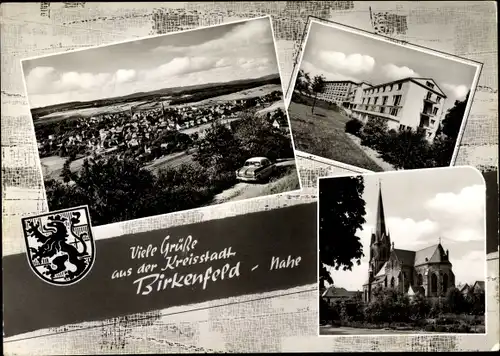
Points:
420	279
445	283
434	283
392	282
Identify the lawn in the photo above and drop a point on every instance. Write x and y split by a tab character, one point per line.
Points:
322	134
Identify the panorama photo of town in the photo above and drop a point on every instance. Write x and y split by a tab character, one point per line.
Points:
163	124
367	102
410	258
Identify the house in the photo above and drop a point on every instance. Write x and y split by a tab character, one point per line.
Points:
410	103
333	294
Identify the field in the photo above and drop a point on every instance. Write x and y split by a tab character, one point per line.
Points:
152	104
322	134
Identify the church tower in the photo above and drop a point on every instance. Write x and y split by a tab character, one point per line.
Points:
380	243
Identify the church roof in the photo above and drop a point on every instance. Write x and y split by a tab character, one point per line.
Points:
432	253
406	257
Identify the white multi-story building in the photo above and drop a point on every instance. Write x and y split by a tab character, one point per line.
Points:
338	92
409	103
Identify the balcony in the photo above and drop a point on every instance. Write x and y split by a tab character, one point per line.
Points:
427	113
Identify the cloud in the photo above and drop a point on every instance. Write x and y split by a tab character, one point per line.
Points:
461	215
469	201
179	66
469	267
124	75
459	91
394	72
37	78
247	35
408	233
74	81
313	71
350	64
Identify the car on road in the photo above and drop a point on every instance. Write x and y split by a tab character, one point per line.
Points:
255	169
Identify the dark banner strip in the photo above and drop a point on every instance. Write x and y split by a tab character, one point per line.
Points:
252	253
491	179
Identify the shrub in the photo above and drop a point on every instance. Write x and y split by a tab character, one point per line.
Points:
353	126
374	133
429	327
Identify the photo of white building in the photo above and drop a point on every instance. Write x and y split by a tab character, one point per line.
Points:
410	103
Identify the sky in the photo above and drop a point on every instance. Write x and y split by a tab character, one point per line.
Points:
343	55
421	206
242	50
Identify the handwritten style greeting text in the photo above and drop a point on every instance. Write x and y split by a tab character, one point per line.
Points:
160	276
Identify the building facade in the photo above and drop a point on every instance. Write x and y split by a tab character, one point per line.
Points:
338	92
410	103
427	271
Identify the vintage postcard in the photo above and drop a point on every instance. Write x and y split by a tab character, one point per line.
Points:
371	102
162	124
402	252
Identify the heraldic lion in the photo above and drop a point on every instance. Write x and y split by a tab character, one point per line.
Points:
56	244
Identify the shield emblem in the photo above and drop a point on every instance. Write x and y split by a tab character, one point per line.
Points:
59	245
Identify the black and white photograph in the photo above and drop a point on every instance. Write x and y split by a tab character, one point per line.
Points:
402	252
163	124
371	102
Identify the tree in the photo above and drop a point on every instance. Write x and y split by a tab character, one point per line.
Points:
455	301
407	149
219	149
257	137
303	82
318	86
341	213
374	132
454	117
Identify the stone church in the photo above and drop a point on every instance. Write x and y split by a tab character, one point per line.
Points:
427	271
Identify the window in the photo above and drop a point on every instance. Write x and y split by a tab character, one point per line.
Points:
401	127
400	86
368	102
375	102
430	85
435	111
433	121
438	99
363	101
434	283
392	282
390	87
420	279
394	111
445	283
396	100
383	89
429	96
384	100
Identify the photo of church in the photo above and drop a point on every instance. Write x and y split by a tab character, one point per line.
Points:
427	271
396	250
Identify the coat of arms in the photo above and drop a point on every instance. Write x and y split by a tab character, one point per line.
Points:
59	245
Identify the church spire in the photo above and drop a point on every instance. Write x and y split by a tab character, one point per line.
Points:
380	228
